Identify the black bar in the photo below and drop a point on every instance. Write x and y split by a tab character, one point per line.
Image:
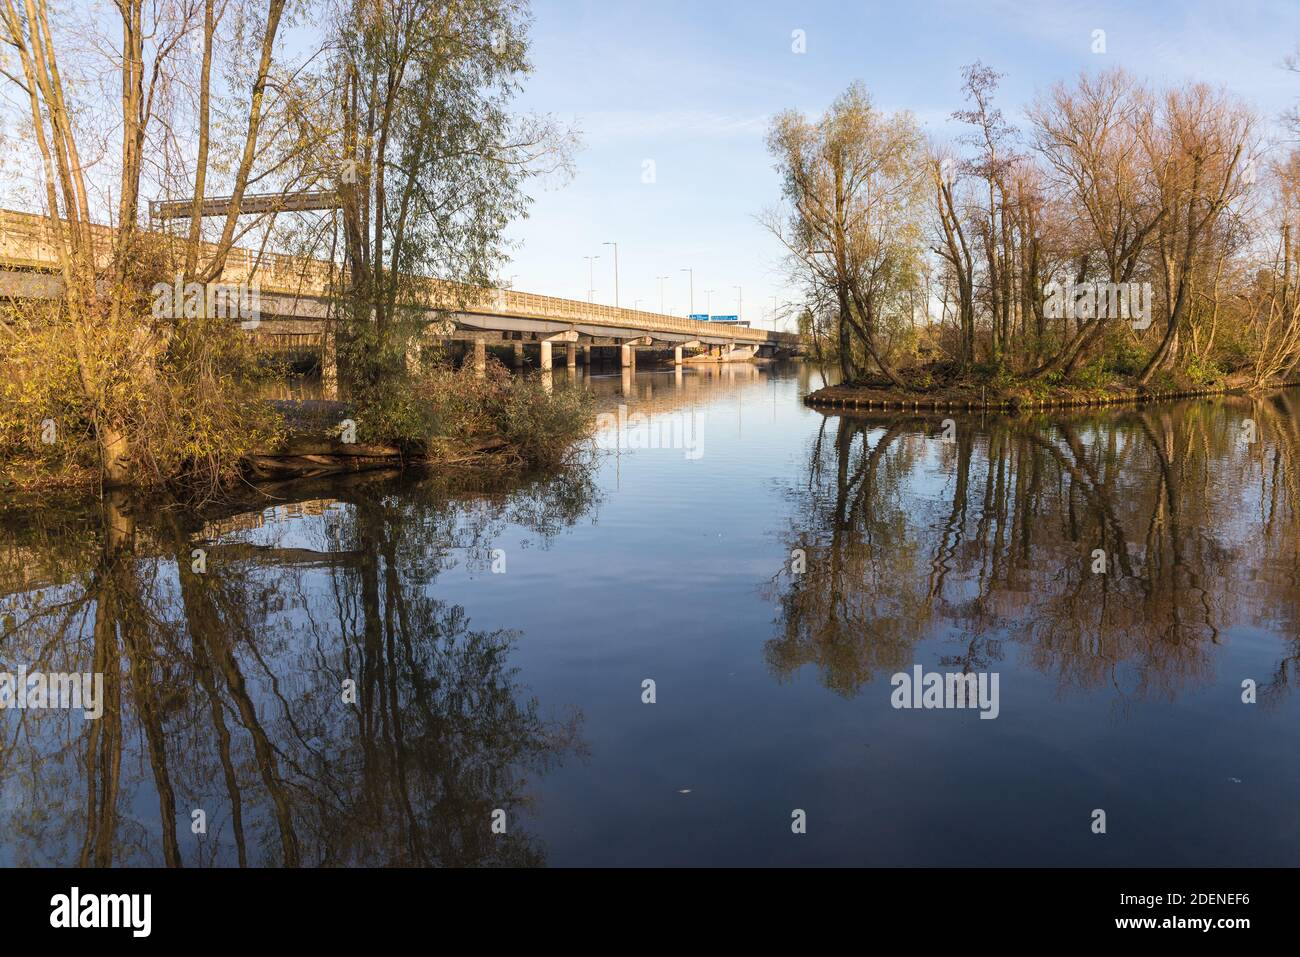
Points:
985	906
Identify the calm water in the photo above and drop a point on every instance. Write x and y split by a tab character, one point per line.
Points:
493	643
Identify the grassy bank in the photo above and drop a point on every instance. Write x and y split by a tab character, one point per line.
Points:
438	416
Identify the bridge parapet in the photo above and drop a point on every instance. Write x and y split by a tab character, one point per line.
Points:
26	244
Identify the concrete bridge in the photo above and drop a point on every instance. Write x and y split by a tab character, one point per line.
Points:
295	309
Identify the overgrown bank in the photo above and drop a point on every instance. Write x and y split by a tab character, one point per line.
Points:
444	417
435	416
928	388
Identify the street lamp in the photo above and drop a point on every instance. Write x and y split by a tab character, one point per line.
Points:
708	302
615	245
662	280
591	278
692	272
739	294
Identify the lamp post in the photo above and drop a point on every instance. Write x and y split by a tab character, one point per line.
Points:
739	304
615	245
708	302
591	275
662	280
692	299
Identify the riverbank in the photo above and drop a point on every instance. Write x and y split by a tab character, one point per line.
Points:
455	420
973	396
321	440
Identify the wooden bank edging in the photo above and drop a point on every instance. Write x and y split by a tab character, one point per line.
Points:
1014	404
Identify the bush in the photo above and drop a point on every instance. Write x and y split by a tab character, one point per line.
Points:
440	410
1203	372
1093	375
1126	357
184	395
540	425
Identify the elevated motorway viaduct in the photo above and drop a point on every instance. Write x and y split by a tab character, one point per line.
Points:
293	309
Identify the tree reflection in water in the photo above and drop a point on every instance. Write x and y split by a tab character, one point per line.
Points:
986	544
223	689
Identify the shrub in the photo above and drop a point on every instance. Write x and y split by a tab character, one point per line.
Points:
184	396
1093	375
443	410
1203	372
1126	357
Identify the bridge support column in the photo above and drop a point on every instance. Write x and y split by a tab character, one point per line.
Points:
329	366
586	356
519	354
677	356
546	356
480	358
626	355
571	355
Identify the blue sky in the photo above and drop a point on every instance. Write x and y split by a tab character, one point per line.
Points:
692	86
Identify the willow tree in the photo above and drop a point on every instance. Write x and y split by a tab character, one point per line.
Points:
1198	149
432	161
1270	305
853	181
1090	136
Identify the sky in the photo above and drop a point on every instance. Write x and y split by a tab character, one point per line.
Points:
673	101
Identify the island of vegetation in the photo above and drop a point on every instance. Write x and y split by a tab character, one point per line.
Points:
1128	243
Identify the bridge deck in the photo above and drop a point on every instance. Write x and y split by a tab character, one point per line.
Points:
298	286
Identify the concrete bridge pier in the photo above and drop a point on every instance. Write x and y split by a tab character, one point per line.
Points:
329	365
628	357
480	358
518	361
571	355
546	355
677	356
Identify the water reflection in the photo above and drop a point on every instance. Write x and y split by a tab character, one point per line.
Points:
988	539
226	641
478	691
